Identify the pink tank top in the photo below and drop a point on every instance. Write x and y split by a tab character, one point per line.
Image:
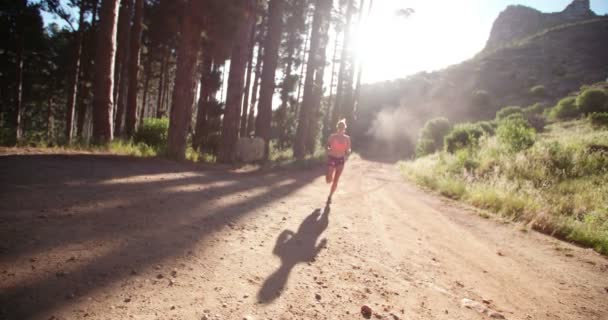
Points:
339	146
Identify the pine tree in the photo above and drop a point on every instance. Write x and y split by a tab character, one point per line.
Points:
104	65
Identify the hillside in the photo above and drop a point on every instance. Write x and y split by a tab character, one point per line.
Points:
558	52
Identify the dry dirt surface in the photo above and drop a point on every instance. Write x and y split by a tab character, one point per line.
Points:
108	237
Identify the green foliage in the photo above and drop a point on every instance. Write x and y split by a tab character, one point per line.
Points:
464	135
565	109
599	119
557	185
131	149
7	137
432	136
592	100
538	91
425	147
507	111
515	134
488	127
536	108
153	132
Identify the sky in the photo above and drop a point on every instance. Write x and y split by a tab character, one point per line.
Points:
440	33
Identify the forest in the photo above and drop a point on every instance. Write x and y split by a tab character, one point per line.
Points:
180	76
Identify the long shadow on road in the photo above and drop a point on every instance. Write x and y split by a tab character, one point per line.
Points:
294	248
157	220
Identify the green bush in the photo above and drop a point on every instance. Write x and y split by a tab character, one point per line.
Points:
538	91
465	135
507	111
425	147
592	100
537	122
7	137
565	109
515	134
488	127
536	108
432	135
153	132
599	119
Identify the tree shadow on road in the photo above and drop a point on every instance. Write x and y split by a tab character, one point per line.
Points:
294	248
165	211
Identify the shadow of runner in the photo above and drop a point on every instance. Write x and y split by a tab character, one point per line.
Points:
294	248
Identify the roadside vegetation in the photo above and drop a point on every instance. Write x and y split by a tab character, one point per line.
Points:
546	167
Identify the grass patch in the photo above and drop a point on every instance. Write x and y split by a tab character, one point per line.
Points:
557	186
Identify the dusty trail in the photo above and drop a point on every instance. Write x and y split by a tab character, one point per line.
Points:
102	237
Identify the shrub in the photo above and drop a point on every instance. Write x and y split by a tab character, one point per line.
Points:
488	127
537	122
538	91
425	147
592	100
536	108
565	109
153	132
463	136
507	111
599	119
432	135
515	134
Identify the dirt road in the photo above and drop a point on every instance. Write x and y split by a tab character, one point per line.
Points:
104	237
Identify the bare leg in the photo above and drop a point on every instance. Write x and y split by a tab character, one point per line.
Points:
329	177
334	185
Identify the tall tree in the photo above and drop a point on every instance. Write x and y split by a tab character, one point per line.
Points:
134	60
238	62
244	116
104	64
84	105
313	85
209	85
258	75
122	65
73	86
271	54
294	28
344	88
185	81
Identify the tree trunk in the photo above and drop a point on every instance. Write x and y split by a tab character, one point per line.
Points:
313	85
256	86
234	95
203	101
84	107
327	125
73	89
293	28
161	82
49	120
185	82
122	66
302	70
244	116
271	54
19	93
341	90
144	104
134	67
104	81
122	37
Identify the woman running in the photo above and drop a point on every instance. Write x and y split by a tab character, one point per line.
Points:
338	146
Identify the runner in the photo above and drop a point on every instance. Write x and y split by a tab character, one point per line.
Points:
338	147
